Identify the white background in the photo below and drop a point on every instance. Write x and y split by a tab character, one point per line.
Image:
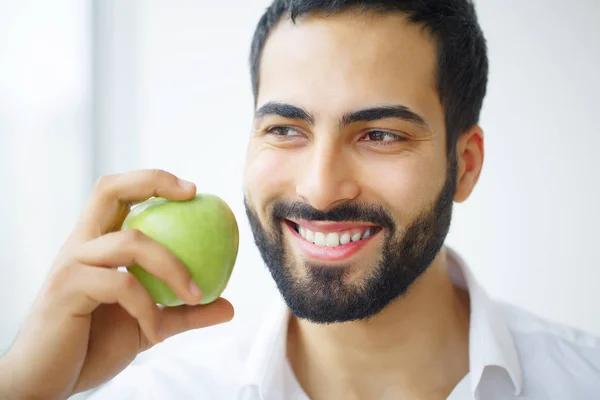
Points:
88	88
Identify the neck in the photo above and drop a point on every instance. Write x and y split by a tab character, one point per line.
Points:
417	347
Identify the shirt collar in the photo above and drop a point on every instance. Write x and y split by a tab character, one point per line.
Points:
490	340
268	355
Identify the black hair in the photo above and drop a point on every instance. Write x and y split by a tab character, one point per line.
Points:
462	62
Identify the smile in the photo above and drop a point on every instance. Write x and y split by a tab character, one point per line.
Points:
329	241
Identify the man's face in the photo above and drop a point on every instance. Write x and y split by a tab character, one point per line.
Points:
347	185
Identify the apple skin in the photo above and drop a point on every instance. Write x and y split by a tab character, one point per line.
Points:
201	232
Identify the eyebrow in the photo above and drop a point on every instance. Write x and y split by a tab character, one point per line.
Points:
384	112
365	115
285	111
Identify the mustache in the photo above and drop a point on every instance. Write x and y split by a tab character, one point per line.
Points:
351	212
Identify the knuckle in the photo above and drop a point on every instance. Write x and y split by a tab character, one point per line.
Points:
128	281
132	236
103	183
67	272
158	174
62	278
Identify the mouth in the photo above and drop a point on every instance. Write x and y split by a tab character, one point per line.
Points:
331	241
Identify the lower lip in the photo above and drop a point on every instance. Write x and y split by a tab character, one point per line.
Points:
322	253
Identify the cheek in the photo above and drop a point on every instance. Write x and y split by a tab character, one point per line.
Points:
405	184
267	176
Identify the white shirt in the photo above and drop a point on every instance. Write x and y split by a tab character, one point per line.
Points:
512	354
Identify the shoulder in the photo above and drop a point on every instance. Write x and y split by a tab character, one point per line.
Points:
526	326
553	356
202	364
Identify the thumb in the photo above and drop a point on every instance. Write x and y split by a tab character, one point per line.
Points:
175	320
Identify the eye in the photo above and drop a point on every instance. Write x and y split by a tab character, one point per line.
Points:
283	131
381	136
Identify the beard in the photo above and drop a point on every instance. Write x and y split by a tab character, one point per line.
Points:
323	294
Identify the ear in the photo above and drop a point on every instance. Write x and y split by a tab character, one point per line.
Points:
469	154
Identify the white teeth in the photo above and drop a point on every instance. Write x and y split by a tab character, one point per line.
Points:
332	239
310	236
319	239
345	238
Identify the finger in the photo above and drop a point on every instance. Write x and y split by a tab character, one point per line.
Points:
97	286
113	195
175	320
130	247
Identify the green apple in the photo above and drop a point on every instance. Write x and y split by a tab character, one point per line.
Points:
201	232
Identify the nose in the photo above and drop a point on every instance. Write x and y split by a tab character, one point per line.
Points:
327	179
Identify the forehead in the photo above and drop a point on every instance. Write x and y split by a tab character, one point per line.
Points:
349	60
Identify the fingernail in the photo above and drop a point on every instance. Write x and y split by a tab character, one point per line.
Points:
185	184
194	289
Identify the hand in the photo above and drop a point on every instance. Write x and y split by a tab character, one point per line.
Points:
90	320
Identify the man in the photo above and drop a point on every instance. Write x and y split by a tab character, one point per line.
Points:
365	133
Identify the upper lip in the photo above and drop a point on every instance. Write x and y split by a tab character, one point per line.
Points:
330	226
